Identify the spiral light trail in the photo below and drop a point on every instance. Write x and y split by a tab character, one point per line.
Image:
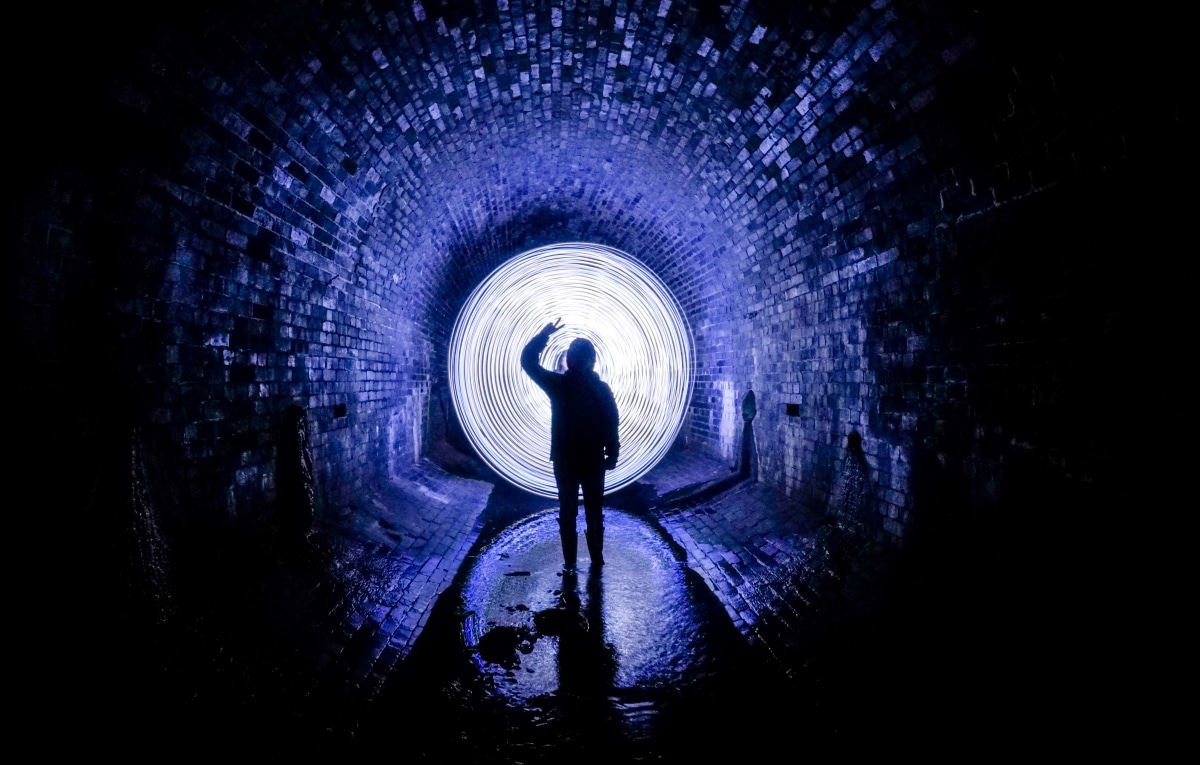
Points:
643	351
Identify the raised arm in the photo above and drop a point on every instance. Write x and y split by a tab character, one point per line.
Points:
530	357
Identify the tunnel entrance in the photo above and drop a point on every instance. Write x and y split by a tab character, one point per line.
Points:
643	347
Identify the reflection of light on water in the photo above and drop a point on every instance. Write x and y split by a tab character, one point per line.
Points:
643	351
646	613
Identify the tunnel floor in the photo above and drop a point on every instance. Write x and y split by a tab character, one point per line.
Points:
522	662
436	622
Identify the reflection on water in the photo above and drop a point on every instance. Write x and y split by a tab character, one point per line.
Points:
587	663
627	661
633	615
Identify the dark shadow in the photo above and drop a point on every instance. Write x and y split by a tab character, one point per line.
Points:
449	447
748	456
294	474
638	498
587	665
852	504
508	504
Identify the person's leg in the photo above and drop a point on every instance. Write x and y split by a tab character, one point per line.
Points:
568	510
593	507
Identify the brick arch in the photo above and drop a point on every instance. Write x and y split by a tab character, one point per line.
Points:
287	206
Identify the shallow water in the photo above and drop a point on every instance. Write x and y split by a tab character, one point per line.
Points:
636	607
634	661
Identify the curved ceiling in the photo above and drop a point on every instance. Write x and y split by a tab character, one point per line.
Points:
433	140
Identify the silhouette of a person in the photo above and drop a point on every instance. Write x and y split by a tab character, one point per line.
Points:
583	438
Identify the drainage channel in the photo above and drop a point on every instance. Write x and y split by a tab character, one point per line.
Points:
521	662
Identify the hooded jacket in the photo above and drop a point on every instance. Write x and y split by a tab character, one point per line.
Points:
583	412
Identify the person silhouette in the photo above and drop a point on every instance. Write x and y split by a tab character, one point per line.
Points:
583	437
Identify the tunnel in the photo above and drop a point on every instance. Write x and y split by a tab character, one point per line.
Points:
922	250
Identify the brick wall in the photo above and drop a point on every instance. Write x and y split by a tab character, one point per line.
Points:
848	199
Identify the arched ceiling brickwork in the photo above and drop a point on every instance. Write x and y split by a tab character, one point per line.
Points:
373	112
291	201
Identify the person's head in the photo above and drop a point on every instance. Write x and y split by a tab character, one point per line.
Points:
581	354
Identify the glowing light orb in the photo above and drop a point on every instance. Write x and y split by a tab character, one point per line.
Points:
643	351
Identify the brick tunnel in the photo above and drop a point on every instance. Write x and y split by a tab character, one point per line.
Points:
243	233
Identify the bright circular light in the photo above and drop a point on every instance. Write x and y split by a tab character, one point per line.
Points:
643	351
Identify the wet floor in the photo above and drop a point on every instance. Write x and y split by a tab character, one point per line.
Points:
636	609
522	662
489	653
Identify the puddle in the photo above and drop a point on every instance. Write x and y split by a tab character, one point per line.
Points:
633	660
634	615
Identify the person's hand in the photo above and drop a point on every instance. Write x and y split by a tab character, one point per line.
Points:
610	463
552	327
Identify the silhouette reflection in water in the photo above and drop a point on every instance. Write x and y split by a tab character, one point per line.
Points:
586	662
